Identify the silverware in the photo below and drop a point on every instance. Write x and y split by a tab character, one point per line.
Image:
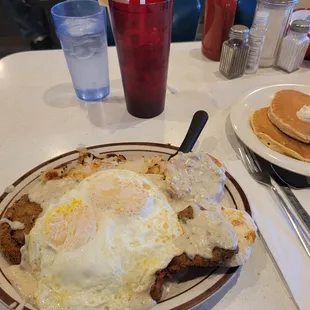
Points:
286	188
301	212
198	122
291	179
262	177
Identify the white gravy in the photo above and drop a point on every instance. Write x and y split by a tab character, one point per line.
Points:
14	225
9	189
207	230
196	177
23	282
195	180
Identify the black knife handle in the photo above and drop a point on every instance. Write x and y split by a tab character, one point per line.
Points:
198	123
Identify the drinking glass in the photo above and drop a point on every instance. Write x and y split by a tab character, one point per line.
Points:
81	28
142	35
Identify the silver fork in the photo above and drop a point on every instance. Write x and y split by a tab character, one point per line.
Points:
253	167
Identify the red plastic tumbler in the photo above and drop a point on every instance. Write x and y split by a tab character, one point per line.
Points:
142	34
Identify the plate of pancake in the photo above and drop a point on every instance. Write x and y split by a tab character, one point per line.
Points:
119	227
274	122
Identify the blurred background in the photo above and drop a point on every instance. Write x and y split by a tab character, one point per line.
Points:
16	37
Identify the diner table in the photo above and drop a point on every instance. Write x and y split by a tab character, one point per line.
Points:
41	117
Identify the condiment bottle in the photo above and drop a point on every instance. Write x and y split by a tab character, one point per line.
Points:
219	17
294	46
256	40
235	52
280	12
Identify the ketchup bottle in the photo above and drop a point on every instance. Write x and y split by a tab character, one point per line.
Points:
219	17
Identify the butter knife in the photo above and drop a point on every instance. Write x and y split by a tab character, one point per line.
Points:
300	211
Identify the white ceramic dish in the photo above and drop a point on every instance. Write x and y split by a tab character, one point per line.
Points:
211	285
240	115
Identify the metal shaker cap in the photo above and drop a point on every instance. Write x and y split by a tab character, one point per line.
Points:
239	32
300	25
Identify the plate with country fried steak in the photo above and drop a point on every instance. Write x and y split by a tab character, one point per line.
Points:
118	226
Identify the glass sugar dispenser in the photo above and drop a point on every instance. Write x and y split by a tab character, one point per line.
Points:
235	52
294	46
280	12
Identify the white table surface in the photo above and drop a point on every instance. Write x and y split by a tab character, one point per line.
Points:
40	118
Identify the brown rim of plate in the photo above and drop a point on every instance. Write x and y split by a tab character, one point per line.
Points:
4	297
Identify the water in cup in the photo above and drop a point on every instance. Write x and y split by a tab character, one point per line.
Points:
85	50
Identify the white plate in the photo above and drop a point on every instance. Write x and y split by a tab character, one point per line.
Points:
207	288
240	115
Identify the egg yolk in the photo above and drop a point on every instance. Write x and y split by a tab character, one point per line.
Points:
70	225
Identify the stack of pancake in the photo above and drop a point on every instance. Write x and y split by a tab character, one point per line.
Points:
279	127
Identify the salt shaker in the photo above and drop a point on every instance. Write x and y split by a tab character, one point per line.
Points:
294	46
235	52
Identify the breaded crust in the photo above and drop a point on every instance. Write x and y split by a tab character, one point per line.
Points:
183	261
246	231
178	263
186	214
11	241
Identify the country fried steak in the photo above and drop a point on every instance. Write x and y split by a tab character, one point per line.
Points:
182	261
11	241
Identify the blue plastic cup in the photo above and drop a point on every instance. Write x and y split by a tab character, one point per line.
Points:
81	28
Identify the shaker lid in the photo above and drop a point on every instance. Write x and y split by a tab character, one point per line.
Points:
300	25
239	32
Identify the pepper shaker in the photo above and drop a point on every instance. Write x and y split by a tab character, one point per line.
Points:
235	52
294	46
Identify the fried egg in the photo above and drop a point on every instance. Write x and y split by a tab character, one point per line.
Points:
101	244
